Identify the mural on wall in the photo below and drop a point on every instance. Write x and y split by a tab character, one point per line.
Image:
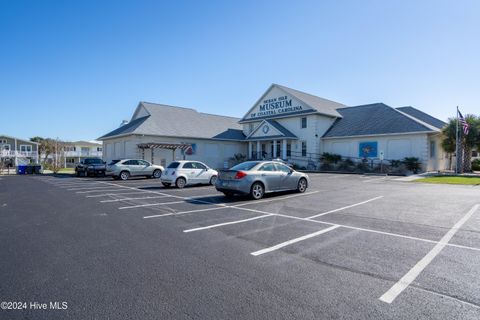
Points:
368	149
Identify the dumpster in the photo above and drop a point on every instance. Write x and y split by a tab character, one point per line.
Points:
21	169
37	169
29	170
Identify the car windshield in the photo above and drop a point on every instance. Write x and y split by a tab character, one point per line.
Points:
173	165
245	165
93	161
113	162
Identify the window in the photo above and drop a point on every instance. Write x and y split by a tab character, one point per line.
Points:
199	165
188	165
173	165
70	160
131	163
99	149
432	149
3	141
6	147
25	148
143	163
304	123
304	148
289	150
282	167
268	167
474	154
245	165
93	161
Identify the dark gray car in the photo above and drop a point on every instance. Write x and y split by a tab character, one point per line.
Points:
259	177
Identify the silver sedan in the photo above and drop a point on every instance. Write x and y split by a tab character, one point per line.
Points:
259	177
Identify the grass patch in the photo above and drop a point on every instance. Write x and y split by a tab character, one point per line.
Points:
451	180
66	171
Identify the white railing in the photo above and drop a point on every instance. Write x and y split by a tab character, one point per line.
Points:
12	153
83	154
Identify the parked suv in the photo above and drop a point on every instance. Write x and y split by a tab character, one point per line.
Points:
126	168
90	166
182	173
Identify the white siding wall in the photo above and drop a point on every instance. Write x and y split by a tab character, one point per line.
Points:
395	147
211	152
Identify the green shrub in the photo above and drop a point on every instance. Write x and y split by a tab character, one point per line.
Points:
476	165
331	158
413	164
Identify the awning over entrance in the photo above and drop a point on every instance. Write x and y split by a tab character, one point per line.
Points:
170	146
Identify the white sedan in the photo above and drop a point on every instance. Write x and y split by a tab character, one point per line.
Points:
182	173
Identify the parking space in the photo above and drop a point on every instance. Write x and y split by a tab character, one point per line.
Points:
408	238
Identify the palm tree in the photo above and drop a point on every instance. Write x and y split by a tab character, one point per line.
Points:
449	140
468	141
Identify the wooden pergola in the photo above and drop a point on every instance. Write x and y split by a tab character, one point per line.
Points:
168	146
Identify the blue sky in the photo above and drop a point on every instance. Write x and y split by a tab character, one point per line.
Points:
76	69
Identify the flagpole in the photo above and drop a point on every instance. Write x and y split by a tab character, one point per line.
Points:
457	145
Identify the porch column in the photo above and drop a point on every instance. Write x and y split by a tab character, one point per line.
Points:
258	150
250	147
274	155
284	149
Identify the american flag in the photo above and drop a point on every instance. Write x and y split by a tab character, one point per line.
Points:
464	123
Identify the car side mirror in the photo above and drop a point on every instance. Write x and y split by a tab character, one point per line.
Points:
104	162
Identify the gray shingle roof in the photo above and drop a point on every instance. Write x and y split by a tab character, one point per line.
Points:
163	120
373	119
422	116
287	133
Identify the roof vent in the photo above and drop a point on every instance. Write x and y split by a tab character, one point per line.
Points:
124	122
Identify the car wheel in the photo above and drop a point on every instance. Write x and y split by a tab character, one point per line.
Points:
213	180
157	174
166	185
257	191
180	183
228	194
124	175
302	185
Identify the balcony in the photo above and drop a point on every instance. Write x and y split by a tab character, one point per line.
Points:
19	154
82	154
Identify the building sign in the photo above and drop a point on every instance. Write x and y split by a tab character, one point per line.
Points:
276	106
368	149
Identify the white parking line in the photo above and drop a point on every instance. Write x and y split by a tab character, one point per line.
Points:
276	198
183	212
411	275
286	243
138	198
228	223
159	196
101	190
195	199
88	188
343	208
116	194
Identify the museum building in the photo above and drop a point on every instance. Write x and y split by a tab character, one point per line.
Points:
284	123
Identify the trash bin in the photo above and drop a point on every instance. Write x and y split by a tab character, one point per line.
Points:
37	169
29	170
21	169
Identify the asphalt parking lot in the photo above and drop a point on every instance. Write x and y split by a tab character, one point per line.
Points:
351	247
